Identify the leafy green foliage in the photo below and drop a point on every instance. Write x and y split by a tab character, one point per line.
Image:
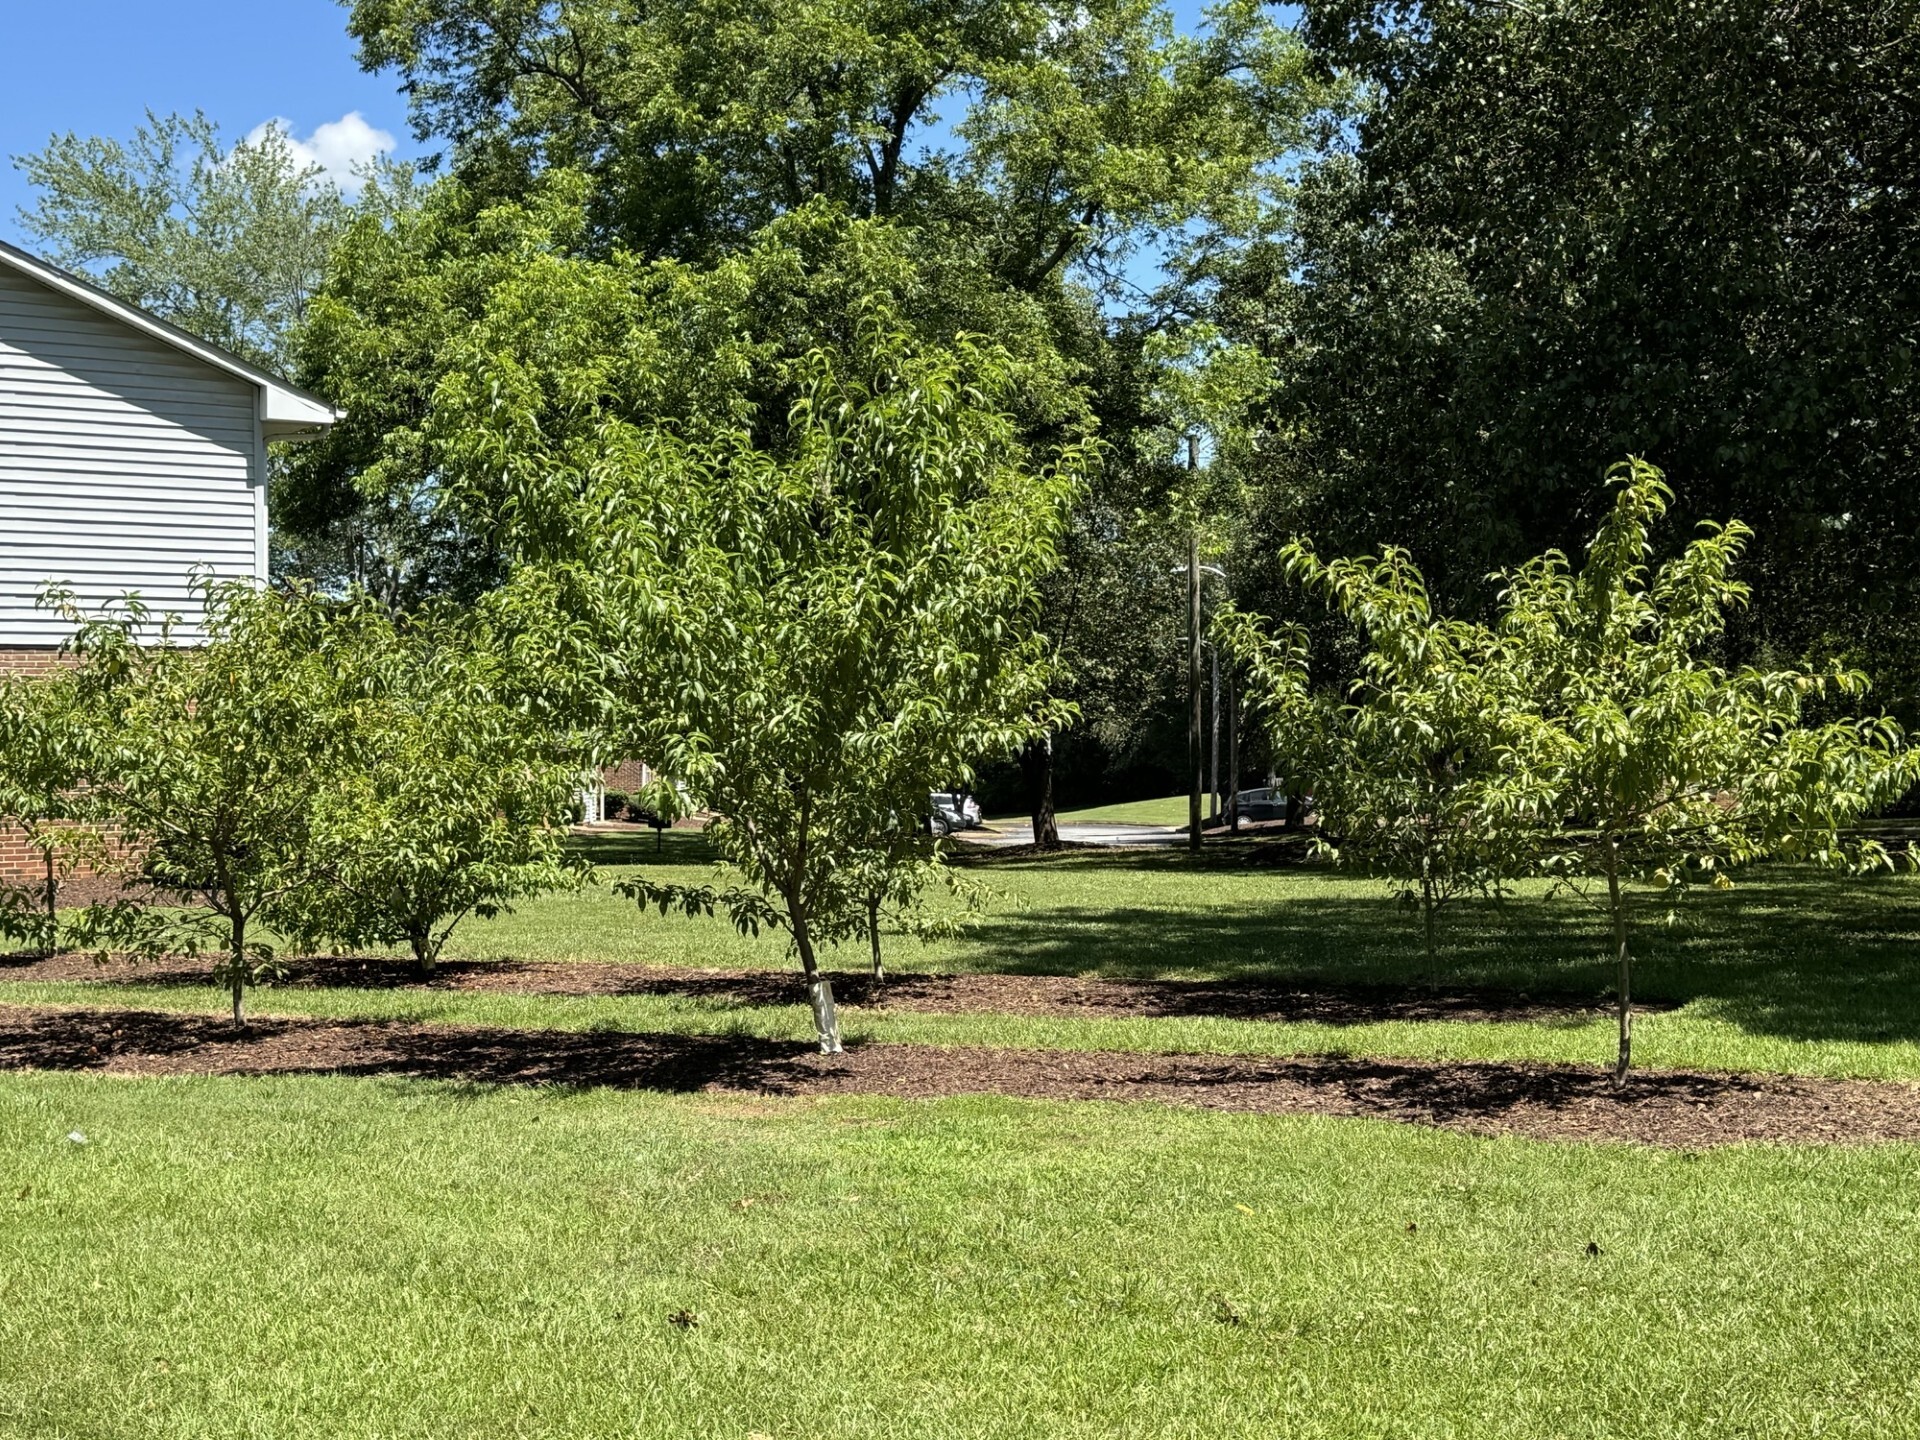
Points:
444	797
210	759
1436	771
1023	166
860	616
227	241
1668	764
1078	126
43	765
1554	234
806	636
1590	733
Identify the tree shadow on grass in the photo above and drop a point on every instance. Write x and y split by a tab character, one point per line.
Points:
643	847
1546	1101
159	1043
1791	952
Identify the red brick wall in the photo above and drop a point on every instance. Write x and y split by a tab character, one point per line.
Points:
32	659
627	777
18	860
20	863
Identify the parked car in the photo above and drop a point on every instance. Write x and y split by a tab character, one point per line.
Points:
953	811
1263	803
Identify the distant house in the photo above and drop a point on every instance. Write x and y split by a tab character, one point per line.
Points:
131	455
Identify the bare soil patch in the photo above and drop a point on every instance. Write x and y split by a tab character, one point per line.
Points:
1545	1102
1040	996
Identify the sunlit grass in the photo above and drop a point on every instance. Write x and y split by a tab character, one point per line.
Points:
1792	971
1172	810
322	1257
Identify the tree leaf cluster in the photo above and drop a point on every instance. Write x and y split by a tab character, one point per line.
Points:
1590	732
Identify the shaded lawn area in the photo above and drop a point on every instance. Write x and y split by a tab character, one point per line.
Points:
1793	971
1789	954
323	1257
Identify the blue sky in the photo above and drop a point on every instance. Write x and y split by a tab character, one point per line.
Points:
96	66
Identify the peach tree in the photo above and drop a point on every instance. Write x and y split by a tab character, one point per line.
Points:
1667	765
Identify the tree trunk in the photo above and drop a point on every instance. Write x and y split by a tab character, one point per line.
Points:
873	939
53	908
237	974
826	1020
1617	909
1214	803
1233	757
1433	955
1037	761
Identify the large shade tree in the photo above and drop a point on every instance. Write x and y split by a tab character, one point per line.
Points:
1557	233
1065	178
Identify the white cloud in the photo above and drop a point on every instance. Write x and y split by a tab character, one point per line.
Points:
338	147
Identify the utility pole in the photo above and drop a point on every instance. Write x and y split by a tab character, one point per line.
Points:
1195	759
1214	772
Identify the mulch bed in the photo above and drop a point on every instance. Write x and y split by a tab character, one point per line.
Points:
1040	996
1545	1102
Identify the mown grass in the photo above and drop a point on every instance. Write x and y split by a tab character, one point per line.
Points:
1792	968
1170	810
1793	971
1694	1037
328	1257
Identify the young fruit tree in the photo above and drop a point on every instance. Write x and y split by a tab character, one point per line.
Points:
1668	767
806	623
43	765
1434	773
209	757
894	869
861	614
447	799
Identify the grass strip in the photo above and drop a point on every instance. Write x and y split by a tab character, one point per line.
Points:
1692	1038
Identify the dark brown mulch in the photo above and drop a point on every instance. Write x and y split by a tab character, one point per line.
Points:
1545	1102
1050	996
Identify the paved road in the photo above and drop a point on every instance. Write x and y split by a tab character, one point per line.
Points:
1117	835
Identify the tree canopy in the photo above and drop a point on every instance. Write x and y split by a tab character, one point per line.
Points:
229	242
1553	234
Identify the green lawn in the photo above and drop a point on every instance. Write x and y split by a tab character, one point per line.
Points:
329	1257
1792	971
325	1256
1170	811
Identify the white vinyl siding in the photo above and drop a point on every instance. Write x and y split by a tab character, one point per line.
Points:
125	465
